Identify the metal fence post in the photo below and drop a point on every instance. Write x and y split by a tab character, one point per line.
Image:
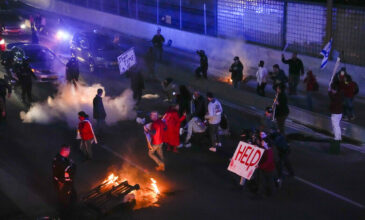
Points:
285	21
137	15
329	25
118	7
157	11
101	5
205	19
180	15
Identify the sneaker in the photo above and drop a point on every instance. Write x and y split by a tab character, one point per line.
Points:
188	145
213	149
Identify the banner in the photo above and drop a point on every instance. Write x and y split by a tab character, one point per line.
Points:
127	60
245	159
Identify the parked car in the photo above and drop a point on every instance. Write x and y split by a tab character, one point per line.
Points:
95	50
45	64
12	24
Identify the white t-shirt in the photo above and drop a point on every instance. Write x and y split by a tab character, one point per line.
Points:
214	112
261	75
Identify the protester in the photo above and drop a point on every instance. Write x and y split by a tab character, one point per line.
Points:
339	78
150	60
137	84
237	72
214	118
157	41
86	134
336	101
63	178
195	132
267	123
296	69
266	167
261	76
198	105
72	71
169	87
278	77
7	62
155	130
99	111
25	74
351	89
202	70
184	99
173	123
311	86
281	108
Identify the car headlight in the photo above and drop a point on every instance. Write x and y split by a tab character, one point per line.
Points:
23	26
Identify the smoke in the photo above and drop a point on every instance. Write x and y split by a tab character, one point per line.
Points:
70	100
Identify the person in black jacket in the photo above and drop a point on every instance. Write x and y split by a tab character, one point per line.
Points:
25	75
99	111
157	42
72	71
281	108
137	84
63	178
198	107
184	99
296	69
278	77
237	72
203	68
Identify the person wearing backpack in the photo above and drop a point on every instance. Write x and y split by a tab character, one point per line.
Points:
350	90
311	86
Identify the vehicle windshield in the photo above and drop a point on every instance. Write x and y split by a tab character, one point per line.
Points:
102	42
39	55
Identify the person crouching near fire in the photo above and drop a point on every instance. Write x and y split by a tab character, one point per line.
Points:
85	132
155	130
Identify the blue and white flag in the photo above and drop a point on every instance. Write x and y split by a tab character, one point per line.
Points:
325	53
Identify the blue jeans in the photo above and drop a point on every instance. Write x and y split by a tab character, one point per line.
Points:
348	107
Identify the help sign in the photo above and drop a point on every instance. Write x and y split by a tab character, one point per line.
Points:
245	159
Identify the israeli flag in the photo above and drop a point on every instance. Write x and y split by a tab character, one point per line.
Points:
325	53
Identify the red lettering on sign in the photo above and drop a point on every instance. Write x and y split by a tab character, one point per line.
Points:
249	156
240	152
250	164
245	154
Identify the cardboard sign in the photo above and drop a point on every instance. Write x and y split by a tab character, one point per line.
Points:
245	159
127	60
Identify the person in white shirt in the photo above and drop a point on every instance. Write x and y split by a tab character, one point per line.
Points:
261	76
214	118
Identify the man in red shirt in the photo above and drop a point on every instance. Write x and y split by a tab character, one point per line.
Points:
155	130
85	132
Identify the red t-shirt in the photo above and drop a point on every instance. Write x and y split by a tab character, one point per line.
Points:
85	130
157	130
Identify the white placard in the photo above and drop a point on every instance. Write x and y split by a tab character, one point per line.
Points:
127	60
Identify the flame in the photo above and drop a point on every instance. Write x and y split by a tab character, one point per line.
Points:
154	186
112	180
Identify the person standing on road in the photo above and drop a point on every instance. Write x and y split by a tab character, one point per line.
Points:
158	40
155	130
202	70
25	74
85	132
72	71
198	106
236	72
296	69
261	76
351	89
311	86
214	118
184	100
63	179
173	122
281	108
336	102
278	77
99	111
137	85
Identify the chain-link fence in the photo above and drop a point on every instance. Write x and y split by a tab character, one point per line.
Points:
301	25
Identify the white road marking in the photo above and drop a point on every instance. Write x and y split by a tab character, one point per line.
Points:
338	196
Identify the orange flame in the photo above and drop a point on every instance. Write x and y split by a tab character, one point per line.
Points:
154	186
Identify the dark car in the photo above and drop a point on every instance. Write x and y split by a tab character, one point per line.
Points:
45	64
95	50
12	24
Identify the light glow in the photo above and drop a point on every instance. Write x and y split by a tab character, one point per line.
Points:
2	41
62	35
23	26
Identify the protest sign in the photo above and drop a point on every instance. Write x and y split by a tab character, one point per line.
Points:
127	60
245	160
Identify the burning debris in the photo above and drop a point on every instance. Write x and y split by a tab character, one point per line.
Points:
115	191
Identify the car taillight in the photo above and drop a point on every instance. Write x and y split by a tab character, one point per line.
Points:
2	41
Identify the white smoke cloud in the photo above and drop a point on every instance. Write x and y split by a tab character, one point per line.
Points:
69	101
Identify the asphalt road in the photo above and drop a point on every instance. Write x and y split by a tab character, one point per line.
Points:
196	184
